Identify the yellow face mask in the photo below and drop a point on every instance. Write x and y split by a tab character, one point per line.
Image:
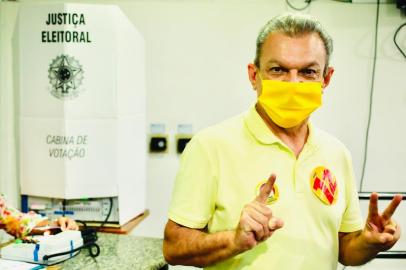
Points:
289	103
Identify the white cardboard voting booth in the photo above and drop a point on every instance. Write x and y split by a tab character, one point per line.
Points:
81	104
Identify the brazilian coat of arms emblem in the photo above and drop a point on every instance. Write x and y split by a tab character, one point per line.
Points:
65	75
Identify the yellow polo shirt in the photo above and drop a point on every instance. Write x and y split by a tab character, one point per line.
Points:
222	168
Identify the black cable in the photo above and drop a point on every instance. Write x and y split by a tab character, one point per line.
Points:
108	215
371	97
89	246
394	39
82	222
85	226
89	237
308	2
63	207
45	258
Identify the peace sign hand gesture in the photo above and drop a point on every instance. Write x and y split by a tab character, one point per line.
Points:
381	232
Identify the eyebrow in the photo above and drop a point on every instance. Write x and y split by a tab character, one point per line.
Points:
308	65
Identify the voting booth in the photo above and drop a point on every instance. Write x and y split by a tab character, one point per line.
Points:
80	103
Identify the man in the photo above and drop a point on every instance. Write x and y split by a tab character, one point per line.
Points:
266	189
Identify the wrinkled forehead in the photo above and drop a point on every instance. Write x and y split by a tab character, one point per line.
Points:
298	50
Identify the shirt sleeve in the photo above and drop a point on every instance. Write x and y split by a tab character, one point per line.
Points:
195	189
352	220
15	222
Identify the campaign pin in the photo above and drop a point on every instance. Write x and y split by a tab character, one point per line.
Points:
324	185
273	196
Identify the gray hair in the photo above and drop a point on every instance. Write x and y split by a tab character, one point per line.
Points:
294	25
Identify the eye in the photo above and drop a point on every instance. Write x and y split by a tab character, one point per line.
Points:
309	72
276	70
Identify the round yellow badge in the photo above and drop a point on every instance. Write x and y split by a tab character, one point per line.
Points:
273	196
324	185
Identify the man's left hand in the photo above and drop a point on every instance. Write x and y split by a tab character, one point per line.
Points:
381	232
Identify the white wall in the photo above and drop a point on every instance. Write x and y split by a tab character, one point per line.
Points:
8	170
197	52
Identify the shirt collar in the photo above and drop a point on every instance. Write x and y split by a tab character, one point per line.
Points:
311	141
261	132
258	128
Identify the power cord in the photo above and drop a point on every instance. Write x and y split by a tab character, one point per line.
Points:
394	39
109	213
85	226
308	2
371	97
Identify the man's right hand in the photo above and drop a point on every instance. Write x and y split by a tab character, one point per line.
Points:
257	222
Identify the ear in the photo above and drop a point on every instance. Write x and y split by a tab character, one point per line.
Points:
327	77
253	75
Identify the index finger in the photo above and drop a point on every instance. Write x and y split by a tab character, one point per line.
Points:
266	189
390	210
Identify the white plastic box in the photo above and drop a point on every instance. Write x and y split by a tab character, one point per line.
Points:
65	241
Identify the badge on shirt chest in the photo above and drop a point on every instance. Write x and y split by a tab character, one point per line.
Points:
273	196
324	185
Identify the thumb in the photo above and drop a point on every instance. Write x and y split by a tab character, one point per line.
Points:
266	189
275	223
